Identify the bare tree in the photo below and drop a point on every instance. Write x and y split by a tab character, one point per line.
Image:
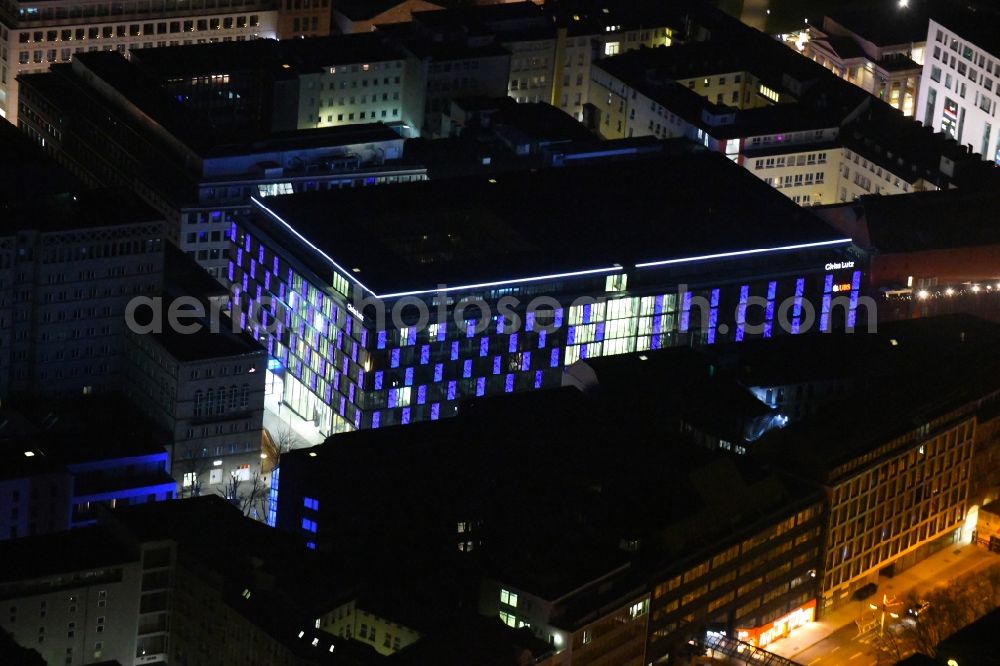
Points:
274	445
251	499
190	464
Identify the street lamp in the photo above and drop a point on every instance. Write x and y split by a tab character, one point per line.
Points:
884	608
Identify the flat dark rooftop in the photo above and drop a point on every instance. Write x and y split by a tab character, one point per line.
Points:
60	553
74	429
323	137
27	172
281	59
884	22
915	371
86	209
923	221
416	236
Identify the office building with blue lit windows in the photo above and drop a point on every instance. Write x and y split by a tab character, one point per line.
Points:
602	259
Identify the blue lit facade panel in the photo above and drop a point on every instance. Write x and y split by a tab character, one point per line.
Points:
343	373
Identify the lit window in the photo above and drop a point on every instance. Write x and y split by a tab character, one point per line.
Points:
310	503
509	598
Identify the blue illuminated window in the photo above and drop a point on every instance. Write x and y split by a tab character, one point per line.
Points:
311	545
435	411
392	397
310	503
309	525
481	386
378	379
454	351
421	394
394	358
438	371
376	419
467	369
541	339
425	354
526	361
529	321
451	389
408	377
484	346
406	415
496	365
381	339
554	358
538	379
508	384
512	344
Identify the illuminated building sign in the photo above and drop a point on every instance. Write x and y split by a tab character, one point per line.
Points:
780	628
838	265
354	311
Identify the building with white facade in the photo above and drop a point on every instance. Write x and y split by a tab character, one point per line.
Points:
207	390
960	83
147	127
33	36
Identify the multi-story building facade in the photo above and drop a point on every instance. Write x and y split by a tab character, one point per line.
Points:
303	18
71	263
585	624
879	49
202	181
342	366
356	79
803	131
207	390
62	464
34	37
959	86
895	501
78	604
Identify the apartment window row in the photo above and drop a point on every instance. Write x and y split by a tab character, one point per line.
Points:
217	402
138	29
982	76
363	99
353	83
791	160
373	115
797	180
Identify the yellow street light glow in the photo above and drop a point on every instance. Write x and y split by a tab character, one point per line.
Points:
949	291
922	294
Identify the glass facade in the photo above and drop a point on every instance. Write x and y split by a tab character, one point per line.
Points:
341	371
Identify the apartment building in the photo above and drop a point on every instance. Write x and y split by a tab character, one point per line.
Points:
72	596
960	83
33	37
879	48
64	461
896	474
585	618
71	263
803	131
207	390
177	157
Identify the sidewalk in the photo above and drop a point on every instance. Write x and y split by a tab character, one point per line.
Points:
938	569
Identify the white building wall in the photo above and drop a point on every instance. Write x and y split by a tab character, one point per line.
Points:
960	91
32	47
